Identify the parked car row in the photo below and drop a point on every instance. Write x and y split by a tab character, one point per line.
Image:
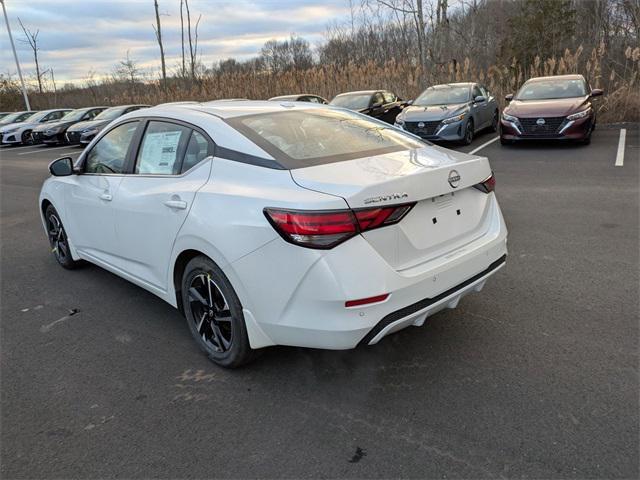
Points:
545	108
548	108
60	125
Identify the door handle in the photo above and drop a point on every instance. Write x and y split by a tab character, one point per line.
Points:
177	204
106	196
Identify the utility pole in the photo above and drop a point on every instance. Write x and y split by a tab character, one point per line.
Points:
15	55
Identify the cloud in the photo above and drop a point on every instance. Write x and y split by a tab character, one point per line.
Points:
78	36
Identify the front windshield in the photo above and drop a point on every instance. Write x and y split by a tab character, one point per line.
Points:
304	138
551	89
73	115
110	113
443	95
356	101
16	117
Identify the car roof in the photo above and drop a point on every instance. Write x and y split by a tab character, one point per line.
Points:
227	109
457	84
360	92
295	95
557	77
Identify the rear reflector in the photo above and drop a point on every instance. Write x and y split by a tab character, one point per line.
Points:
325	229
488	185
366	301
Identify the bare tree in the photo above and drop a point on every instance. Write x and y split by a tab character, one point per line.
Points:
193	41
184	69
158	31
32	41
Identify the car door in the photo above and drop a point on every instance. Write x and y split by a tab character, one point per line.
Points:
391	107
89	197
480	110
376	105
155	198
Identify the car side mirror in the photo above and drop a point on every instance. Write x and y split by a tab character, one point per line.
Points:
479	99
509	97
596	92
62	167
376	105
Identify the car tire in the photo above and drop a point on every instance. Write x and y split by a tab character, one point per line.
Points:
58	239
495	121
214	314
26	137
468	133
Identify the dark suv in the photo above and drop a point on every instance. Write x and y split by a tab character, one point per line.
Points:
381	104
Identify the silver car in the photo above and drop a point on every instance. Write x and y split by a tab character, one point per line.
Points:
454	112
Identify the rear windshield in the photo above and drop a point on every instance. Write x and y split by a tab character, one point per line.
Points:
552	88
304	138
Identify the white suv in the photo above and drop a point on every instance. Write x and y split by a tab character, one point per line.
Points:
270	223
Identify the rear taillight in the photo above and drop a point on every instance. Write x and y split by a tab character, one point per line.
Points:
488	185
328	228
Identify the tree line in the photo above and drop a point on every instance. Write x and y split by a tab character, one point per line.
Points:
429	40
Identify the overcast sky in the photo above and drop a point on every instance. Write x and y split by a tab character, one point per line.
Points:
77	36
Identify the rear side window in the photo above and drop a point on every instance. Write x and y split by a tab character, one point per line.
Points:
197	150
389	97
162	149
377	99
109	154
303	138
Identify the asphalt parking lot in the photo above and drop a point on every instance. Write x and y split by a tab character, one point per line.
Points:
536	377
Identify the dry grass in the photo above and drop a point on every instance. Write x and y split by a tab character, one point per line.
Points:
621	82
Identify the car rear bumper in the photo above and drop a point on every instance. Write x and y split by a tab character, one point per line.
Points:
305	302
569	130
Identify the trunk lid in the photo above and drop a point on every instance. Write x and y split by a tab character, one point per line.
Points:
447	213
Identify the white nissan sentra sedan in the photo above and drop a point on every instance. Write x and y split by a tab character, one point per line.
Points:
272	223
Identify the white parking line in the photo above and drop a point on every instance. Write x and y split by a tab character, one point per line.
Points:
620	155
9	148
43	149
483	145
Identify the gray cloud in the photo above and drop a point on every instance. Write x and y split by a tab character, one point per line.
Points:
78	36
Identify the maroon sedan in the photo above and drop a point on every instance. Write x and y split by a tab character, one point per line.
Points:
550	108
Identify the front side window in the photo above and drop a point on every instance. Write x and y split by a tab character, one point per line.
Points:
314	137
162	149
110	153
476	92
377	99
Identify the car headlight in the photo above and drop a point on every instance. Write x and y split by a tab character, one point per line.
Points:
457	118
11	130
399	122
509	118
51	131
89	130
578	115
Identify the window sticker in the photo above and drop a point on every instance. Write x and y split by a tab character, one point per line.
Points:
159	152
